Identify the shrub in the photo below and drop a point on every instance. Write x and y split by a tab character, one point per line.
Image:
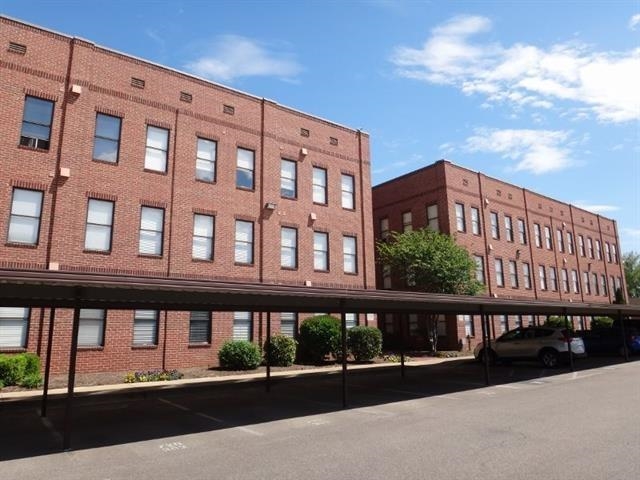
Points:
33	380
319	336
601	322
282	351
32	365
152	376
557	321
365	343
12	368
239	355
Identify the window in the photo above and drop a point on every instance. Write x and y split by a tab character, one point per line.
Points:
14	326
106	141
288	179
575	281
547	237
537	234
242	327
581	245
348	191
145	327
553	278
526	275
479	268
386	276
518	321
99	224
36	123
413	323
388	322
603	285
350	259
91	327
495	229
560	240
384	228
469	330
504	323
321	251
607	251
199	327
513	273
522	232
288	247
543	277
203	231
244	242
206	160
598	250
151	228
508	227
612	285
407	222
590	247
499	273
475	221
351	320
618	283
570	242
288	324
585	283
614	253
432	217
157	146
319	185
565	280
594	284
244	168
24	222
461	224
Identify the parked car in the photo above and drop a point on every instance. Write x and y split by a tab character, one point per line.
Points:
550	345
608	340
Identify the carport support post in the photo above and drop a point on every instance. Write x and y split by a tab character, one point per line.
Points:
47	364
566	326
486	346
66	442
403	317
344	357
625	350
267	351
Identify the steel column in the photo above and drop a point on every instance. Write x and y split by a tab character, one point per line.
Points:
485	348
566	326
47	364
66	442
267	350
403	316
344	358
625	350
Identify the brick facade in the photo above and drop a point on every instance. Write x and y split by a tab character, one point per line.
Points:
84	80
446	185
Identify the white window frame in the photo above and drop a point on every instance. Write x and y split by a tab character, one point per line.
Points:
242	321
499	268
495	225
145	328
14	327
288	179
508	228
243	244
99	224
103	137
204	227
25	211
407	221
348	189
526	275
206	157
319	185
288	247
196	320
289	324
461	223
321	251
32	138
156	236
476	227
350	254
433	221
91	327
156	149
245	168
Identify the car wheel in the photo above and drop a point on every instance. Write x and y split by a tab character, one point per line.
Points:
549	358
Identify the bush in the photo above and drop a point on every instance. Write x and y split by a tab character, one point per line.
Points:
601	322
152	376
557	321
365	343
33	380
239	355
282	351
319	336
12	368
32	366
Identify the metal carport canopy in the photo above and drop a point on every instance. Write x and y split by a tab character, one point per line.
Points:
71	289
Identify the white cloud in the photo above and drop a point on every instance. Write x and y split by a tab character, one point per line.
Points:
632	232
535	151
526	75
634	21
596	208
233	56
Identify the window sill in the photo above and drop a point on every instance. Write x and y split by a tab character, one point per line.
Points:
238	264
148	255
202	260
321	271
94	348
157	172
33	149
99	252
105	162
353	274
144	347
349	209
199	345
245	189
208	182
13	350
290	269
21	245
289	198
325	204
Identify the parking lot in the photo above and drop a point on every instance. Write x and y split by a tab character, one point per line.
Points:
439	420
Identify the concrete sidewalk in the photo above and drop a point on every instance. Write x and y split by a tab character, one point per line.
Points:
31	395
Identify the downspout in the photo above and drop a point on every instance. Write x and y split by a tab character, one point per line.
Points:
362	211
575	252
604	260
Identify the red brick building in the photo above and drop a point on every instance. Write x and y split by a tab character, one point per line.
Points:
112	164
525	245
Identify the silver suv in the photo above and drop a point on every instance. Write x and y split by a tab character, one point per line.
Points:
550	345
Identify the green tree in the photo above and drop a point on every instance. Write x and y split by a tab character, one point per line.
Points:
631	262
430	262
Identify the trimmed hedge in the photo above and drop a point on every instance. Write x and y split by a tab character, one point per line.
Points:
282	351
239	355
20	369
365	343
601	322
319	337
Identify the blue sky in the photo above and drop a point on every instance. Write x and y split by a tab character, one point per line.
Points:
543	94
